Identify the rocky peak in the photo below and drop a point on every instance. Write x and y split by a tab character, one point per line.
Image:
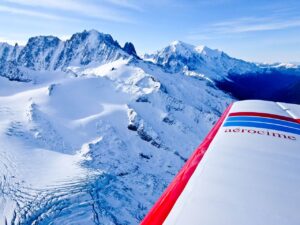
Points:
129	48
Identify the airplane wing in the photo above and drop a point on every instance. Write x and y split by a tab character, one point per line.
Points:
245	172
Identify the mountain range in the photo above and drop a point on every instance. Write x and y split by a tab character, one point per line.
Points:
92	133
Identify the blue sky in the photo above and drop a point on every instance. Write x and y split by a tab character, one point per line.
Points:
255	30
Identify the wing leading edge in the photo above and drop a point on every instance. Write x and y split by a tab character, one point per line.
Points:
246	171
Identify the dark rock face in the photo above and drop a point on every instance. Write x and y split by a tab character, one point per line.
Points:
38	52
11	71
143	135
132	127
129	48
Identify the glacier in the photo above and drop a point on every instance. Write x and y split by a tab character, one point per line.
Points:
92	133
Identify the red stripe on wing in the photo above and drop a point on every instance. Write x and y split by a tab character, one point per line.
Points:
266	115
165	203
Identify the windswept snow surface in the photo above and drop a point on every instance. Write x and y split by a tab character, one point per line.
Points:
97	144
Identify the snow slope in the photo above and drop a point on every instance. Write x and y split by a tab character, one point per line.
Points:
97	144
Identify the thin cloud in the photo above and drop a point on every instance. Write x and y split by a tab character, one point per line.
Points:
126	4
251	25
242	26
83	8
26	12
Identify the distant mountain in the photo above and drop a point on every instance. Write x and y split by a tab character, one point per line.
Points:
50	53
199	61
92	47
244	80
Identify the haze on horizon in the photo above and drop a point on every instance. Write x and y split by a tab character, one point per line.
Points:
260	31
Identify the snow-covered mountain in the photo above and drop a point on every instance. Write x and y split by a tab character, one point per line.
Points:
244	80
50	53
91	133
199	61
